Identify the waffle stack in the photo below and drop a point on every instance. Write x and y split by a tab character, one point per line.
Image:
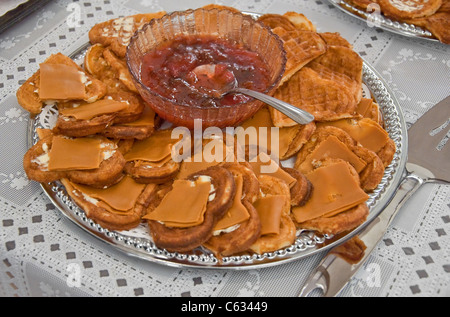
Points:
125	175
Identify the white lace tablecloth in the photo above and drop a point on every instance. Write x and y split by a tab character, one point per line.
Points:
40	250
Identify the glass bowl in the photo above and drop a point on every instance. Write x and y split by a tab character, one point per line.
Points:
232	26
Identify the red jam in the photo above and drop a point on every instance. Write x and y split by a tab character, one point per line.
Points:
169	70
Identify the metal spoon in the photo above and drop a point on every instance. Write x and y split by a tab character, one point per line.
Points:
214	88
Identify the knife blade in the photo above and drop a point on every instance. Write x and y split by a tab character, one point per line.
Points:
427	162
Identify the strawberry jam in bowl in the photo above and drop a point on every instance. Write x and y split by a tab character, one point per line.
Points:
173	71
180	62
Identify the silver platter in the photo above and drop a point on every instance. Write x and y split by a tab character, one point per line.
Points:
138	242
382	22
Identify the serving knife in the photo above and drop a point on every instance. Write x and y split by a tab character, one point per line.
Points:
428	162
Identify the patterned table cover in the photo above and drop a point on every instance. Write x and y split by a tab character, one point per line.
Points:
42	253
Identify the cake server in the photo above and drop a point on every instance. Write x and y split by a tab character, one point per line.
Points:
428	161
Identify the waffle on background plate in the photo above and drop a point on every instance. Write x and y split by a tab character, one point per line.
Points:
234	207
432	15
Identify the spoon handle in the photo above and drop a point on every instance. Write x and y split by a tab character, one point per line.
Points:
298	115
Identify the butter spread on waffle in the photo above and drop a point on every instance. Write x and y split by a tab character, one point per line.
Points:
63	79
408	9
117	33
432	15
118	207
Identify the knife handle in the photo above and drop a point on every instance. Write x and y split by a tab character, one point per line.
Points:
333	272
